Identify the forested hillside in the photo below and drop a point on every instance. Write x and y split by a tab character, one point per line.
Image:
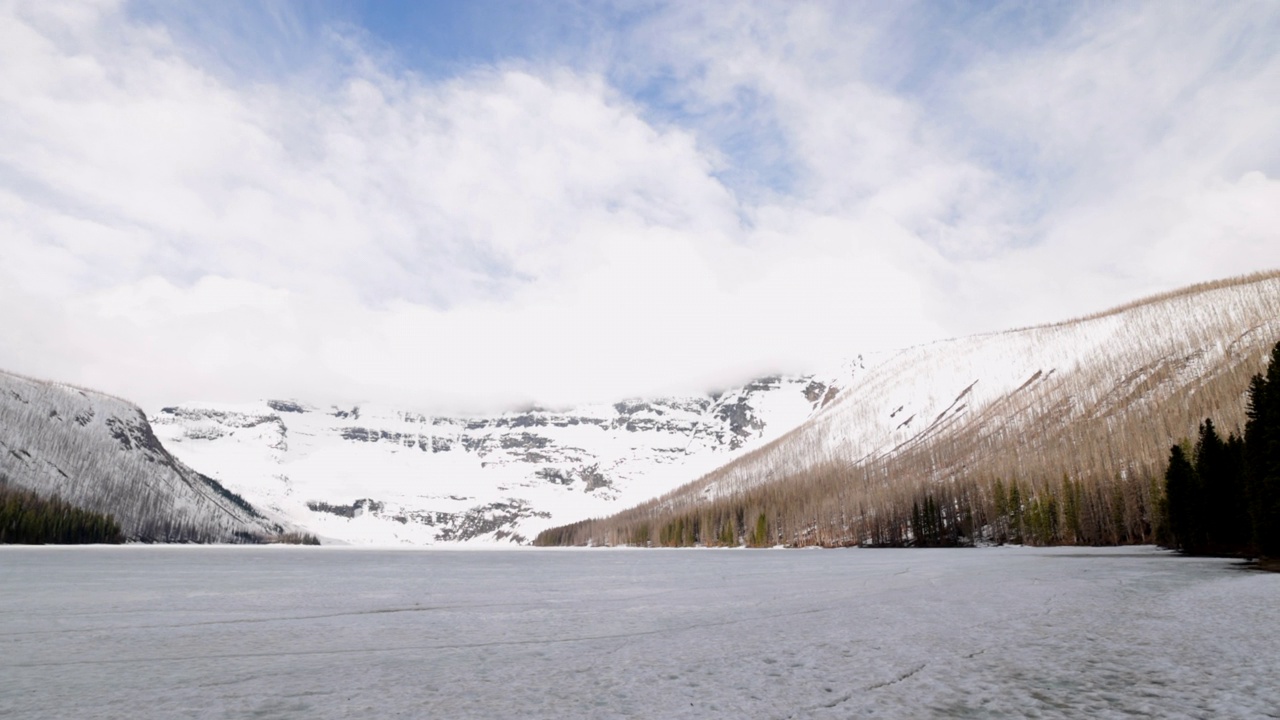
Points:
97	455
1223	494
1052	434
28	518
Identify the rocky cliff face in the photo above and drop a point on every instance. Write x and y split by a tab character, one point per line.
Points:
381	475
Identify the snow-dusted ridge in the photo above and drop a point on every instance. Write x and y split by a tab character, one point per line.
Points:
382	475
98	452
1100	394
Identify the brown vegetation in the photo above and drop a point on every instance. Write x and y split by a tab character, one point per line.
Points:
1072	453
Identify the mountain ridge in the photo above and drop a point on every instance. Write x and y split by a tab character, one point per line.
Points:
98	452
379	474
1091	399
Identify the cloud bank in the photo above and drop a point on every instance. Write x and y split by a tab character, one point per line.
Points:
717	192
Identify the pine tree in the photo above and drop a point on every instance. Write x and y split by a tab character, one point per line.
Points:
1229	527
1001	501
1262	457
1015	512
1216	488
760	536
1070	510
1182	489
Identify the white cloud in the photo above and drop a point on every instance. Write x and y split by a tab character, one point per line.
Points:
528	233
1146	133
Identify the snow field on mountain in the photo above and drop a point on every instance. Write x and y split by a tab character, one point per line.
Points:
213	632
483	479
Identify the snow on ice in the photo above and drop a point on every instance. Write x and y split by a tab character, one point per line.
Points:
213	632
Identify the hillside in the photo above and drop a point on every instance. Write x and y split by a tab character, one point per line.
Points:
1076	418
382	475
98	453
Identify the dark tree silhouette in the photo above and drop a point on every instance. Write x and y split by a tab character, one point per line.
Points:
1225	499
1262	457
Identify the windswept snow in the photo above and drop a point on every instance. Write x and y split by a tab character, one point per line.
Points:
192	632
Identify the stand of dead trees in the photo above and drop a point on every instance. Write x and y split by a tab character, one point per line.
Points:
1075	456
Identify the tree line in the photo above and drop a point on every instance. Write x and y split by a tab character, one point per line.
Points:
969	511
28	519
1223	495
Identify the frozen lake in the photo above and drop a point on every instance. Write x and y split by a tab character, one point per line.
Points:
279	632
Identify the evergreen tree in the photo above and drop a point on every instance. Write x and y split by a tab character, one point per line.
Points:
1230	527
1225	497
1217	489
1242	533
760	536
28	518
1070	510
1001	501
1262	457
1015	512
1182	489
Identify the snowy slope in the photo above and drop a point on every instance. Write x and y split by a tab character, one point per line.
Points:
379	475
98	452
1103	394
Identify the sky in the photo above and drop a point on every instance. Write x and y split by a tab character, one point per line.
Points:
471	206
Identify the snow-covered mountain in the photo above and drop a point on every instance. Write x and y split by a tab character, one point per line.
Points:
98	453
383	475
1156	361
1097	400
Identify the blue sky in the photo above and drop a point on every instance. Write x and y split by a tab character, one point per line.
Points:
471	205
916	50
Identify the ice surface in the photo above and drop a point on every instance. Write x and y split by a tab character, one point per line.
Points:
214	632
